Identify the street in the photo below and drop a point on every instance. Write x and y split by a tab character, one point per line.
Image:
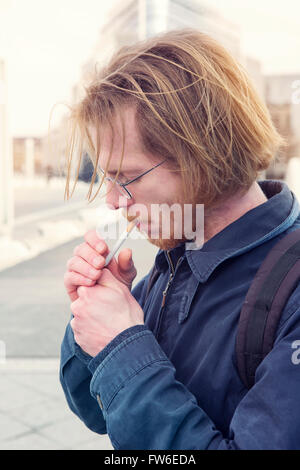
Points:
35	199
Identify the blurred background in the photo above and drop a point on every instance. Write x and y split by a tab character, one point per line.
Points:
48	51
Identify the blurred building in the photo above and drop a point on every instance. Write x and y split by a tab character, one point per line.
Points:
28	155
280	92
254	69
55	149
199	15
133	20
6	163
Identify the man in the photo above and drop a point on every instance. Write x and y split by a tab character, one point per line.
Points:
175	119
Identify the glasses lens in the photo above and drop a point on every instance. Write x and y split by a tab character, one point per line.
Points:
123	191
120	188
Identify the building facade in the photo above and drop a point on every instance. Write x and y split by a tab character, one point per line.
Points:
28	155
133	20
282	94
6	162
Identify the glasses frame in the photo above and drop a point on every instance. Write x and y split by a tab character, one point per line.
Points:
123	185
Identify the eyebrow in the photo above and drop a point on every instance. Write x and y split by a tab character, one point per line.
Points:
130	171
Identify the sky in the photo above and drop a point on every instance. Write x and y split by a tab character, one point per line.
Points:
45	43
269	31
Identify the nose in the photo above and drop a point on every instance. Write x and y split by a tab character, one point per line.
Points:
115	200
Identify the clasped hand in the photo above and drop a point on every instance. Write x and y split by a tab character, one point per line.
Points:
102	304
102	312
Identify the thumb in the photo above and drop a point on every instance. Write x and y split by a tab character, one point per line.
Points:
123	269
107	279
125	260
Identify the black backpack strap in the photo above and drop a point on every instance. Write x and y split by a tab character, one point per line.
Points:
271	288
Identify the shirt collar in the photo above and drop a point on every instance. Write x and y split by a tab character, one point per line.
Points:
258	225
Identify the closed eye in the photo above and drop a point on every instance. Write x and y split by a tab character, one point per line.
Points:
122	178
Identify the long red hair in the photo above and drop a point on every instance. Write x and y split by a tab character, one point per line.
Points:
195	106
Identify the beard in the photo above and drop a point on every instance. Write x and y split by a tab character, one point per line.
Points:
157	239
164	244
169	238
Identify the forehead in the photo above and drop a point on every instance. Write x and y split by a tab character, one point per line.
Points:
112	139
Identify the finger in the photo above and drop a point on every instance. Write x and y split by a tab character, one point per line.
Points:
107	279
125	260
114	269
81	291
91	256
95	242
73	295
72	280
73	325
123	269
82	267
74	307
124	263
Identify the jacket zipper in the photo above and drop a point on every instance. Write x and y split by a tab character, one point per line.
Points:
170	279
173	270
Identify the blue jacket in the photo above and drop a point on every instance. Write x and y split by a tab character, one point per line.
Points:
173	382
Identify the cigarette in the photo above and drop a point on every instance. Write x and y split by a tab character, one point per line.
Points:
120	242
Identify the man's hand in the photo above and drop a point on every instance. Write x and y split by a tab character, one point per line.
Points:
102	312
85	267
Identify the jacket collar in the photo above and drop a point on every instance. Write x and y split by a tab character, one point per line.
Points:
257	226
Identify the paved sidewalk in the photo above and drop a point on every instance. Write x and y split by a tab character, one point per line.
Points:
33	410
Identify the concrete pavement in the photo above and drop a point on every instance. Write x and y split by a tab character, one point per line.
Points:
33	411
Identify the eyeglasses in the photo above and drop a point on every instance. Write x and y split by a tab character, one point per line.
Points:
122	187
